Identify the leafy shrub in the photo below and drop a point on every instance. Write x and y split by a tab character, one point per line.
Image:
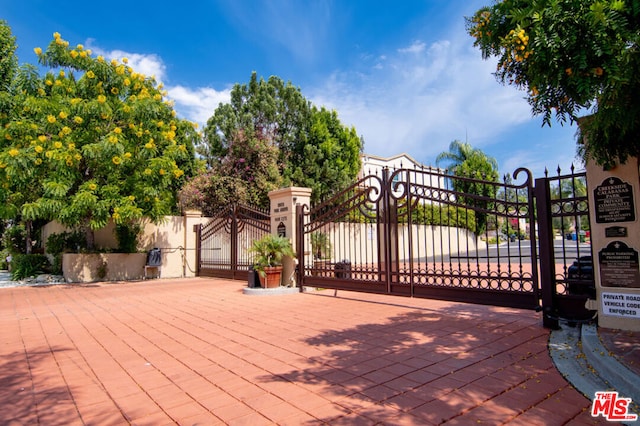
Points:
66	242
127	236
28	265
14	239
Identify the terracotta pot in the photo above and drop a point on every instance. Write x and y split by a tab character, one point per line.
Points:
273	277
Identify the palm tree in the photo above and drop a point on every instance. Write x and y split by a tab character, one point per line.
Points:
459	152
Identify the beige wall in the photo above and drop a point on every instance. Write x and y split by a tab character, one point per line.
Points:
174	236
359	241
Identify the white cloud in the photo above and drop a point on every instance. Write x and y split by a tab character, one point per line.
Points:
417	47
147	64
194	104
197	104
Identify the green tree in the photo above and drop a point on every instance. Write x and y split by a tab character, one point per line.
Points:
8	60
312	147
91	141
573	57
475	176
328	159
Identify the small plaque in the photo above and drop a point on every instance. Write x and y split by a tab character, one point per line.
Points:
619	266
614	201
282	230
616	232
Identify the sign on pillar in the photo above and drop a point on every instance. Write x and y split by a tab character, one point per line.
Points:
283	221
615	239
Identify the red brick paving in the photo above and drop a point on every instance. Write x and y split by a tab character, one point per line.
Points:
198	351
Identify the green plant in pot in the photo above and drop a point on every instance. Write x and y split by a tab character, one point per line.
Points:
321	250
269	251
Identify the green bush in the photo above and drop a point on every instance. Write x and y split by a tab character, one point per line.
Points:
66	242
28	265
127	236
14	239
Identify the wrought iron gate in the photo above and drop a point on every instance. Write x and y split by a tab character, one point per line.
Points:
566	266
223	243
425	233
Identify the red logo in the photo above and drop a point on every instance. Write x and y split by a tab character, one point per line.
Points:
612	407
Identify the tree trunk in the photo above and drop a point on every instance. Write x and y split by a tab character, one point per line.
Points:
90	237
28	225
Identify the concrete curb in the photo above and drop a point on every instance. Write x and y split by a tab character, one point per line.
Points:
259	291
625	381
580	357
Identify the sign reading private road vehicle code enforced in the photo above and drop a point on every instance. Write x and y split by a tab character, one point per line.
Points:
614	201
621	304
619	266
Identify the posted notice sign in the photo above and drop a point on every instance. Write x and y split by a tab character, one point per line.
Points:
621	304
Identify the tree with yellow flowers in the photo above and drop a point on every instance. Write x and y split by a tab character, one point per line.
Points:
575	59
91	140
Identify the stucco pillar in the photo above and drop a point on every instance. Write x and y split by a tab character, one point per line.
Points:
283	222
189	262
615	239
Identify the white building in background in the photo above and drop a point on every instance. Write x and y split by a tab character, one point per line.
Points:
425	175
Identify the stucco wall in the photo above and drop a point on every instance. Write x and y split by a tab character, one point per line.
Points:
174	236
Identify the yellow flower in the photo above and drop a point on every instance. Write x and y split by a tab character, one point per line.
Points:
117	130
125	60
71	146
57	145
2	166
93	186
160	123
75	101
162	172
48	82
182	148
38	51
90	74
66	130
100	58
61	73
78	119
120	70
127	81
127	155
113	139
114	90
102	99
13	152
38	161
69	161
131	197
51	119
38	149
116	160
63	115
114	62
157	96
79	47
41	91
56	35
147	171
177	173
83	54
78	157
42	138
126	109
74	54
7	136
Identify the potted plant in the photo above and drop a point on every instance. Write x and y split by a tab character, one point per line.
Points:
321	249
269	252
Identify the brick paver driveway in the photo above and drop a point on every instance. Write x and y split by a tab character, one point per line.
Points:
198	351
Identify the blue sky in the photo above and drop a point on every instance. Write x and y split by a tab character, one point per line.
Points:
405	74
